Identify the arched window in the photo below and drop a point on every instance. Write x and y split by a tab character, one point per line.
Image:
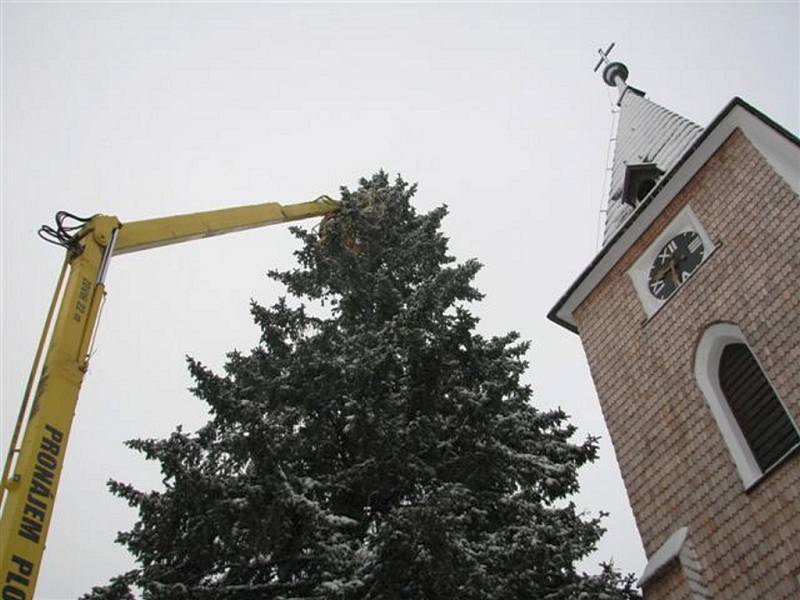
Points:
757	429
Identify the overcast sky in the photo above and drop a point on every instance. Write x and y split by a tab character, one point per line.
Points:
144	110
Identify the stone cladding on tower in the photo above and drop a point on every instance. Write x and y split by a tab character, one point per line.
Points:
672	585
676	466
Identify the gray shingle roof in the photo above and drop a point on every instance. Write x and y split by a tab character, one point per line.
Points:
646	133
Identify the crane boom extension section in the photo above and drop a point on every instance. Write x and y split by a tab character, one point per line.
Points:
151	233
30	482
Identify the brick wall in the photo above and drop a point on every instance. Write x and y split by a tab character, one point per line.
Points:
676	467
670	585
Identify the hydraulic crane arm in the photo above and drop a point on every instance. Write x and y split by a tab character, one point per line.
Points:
151	233
30	482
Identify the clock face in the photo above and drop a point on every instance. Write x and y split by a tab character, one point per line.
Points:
675	263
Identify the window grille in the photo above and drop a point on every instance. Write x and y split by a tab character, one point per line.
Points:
764	423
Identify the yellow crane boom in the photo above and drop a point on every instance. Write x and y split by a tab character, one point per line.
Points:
33	468
151	233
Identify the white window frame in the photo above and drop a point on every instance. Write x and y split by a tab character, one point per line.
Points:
706	370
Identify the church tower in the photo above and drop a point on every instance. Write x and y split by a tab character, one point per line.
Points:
690	319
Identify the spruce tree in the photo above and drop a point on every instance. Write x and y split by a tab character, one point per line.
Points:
372	446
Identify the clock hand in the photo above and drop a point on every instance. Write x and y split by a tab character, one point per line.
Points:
674	261
665	271
674	274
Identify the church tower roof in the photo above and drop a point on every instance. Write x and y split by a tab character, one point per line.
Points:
650	140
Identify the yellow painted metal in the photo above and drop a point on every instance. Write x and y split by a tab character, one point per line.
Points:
30	491
151	233
23	409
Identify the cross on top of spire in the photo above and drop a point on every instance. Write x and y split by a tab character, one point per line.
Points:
615	74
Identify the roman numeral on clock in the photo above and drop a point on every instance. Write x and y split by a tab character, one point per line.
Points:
668	251
656	286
